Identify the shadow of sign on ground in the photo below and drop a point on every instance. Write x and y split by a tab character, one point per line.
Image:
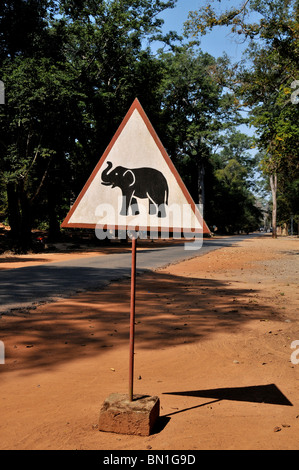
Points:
255	394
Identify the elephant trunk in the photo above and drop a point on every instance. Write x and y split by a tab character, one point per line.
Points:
105	176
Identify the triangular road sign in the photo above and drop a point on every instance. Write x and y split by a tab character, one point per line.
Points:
135	186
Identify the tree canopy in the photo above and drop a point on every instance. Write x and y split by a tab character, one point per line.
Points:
70	80
267	83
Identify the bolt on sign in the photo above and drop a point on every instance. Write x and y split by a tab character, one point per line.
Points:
136	186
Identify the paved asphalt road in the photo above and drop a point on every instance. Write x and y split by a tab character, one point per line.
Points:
23	287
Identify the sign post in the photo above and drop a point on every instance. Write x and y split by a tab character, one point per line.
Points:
145	197
132	318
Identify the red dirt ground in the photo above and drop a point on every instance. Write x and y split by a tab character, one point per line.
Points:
213	341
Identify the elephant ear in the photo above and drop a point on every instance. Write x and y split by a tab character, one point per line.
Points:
129	177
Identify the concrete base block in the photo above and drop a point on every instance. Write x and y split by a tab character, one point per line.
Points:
119	415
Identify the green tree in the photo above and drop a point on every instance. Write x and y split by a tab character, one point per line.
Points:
232	205
192	113
37	129
67	85
266	83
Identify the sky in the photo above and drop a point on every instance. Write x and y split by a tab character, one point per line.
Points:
216	42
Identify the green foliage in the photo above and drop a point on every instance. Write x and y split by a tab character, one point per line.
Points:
69	79
71	70
232	207
190	100
267	83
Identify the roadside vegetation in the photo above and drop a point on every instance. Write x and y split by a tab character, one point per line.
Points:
71	70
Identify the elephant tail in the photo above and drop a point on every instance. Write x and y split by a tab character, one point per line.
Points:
166	195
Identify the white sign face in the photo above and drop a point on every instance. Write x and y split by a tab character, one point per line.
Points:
136	186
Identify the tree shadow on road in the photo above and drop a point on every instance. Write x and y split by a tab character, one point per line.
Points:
170	310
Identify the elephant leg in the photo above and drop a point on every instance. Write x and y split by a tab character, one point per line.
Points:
161	211
152	208
129	201
152	205
156	207
162	204
125	204
134	206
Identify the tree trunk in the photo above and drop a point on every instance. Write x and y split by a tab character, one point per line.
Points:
19	217
273	184
54	233
201	186
13	210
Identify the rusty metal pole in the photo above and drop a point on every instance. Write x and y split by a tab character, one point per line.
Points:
132	318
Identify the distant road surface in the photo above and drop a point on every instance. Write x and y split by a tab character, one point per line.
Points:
23	287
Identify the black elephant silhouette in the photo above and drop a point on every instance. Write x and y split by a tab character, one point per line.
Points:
143	183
